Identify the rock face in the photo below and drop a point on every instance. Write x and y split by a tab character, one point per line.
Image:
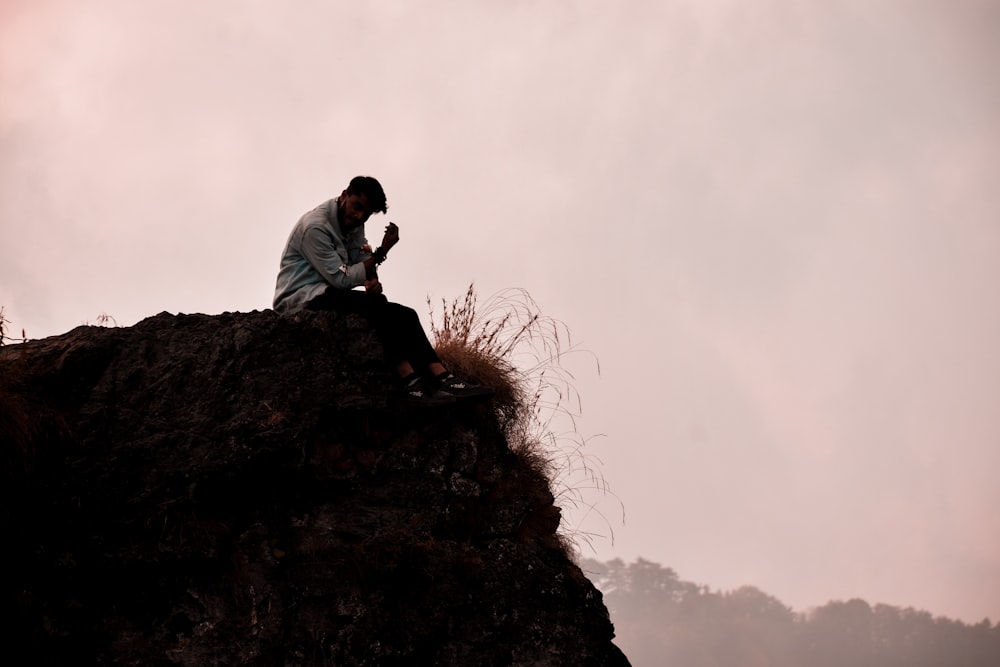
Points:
236	490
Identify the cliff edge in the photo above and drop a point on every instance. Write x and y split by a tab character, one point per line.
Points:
236	490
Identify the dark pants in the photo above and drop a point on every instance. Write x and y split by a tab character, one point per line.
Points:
397	326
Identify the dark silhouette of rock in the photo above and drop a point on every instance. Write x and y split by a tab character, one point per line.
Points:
236	490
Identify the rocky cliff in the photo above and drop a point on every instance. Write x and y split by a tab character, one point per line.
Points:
237	490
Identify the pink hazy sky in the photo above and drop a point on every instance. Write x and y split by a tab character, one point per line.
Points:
775	225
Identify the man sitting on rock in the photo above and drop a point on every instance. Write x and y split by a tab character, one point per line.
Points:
327	256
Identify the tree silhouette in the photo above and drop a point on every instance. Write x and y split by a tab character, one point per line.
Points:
663	620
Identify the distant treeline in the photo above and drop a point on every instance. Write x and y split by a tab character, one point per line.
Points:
661	620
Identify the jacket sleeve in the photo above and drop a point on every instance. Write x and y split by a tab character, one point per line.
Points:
329	257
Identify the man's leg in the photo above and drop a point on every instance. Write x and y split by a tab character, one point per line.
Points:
403	322
398	327
403	338
402	327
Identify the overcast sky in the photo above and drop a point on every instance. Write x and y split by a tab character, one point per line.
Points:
775	224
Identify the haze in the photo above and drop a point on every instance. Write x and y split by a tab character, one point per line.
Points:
774	223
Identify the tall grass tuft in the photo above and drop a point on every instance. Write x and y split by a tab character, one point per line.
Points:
508	344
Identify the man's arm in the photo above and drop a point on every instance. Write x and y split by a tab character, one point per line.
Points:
389	239
329	258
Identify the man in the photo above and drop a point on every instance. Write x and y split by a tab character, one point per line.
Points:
327	256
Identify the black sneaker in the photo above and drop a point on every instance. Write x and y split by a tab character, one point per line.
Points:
461	389
416	394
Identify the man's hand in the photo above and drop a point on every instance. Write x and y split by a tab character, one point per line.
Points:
373	286
391	236
390	239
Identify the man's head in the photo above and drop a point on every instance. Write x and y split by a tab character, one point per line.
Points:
363	196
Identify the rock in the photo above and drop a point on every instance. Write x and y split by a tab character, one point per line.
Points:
238	490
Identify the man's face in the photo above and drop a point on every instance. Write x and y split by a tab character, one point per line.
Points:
353	210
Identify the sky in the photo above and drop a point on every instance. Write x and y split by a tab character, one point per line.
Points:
774	225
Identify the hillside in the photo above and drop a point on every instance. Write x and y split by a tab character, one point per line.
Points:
664	620
236	490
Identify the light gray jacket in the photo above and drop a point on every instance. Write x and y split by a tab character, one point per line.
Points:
319	254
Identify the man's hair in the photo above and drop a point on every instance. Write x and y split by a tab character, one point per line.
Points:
370	188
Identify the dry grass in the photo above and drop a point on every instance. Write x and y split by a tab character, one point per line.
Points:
4	338
508	344
104	320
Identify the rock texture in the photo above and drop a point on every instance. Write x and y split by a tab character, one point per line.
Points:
236	490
